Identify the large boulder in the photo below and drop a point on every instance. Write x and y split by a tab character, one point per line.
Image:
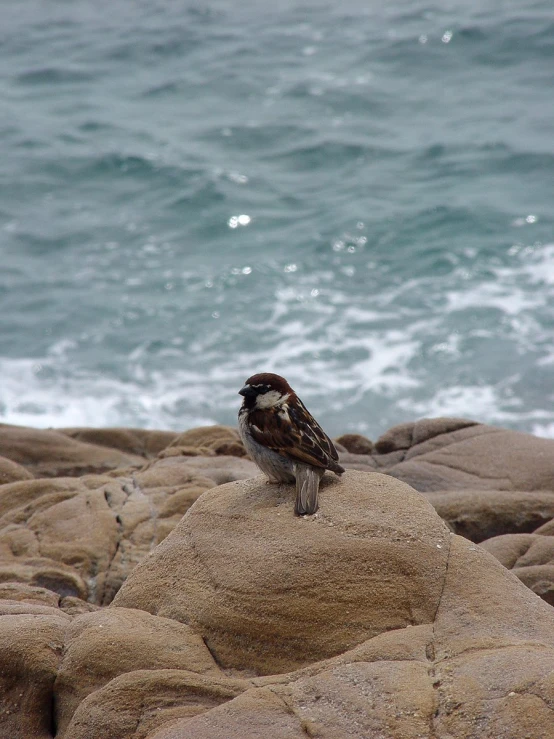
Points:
482	480
472	657
269	591
368	619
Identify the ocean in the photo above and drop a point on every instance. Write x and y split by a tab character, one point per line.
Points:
356	195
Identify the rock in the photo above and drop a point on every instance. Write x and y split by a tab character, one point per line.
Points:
139	442
355	443
482	514
102	645
376	550
539	579
530	557
404	436
76	606
220	439
361	462
136	703
12	472
31	650
43	573
368	619
219	469
547	529
256	714
455	454
47	453
482	668
17	591
96	528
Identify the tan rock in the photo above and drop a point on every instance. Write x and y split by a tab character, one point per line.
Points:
221	439
176	470
96	526
368	619
361	462
530	557
16	607
47	453
539	579
456	454
404	436
355	443
423	681
133	705
141	442
102	645
31	650
12	472
44	573
376	551
17	591
76	606
256	714
482	514
547	529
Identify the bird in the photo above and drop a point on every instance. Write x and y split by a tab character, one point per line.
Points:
284	439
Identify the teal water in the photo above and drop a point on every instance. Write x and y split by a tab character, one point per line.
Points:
358	196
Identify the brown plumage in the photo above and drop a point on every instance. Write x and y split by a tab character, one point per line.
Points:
284	439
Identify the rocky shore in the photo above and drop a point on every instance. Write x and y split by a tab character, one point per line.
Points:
418	602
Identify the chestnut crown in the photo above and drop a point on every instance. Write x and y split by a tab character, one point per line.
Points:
265	382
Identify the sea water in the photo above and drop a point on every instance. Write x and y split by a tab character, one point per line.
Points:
356	195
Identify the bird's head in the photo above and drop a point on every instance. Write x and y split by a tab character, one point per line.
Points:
265	390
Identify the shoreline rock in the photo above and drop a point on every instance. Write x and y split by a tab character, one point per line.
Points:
373	617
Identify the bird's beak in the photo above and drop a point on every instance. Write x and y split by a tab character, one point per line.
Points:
247	391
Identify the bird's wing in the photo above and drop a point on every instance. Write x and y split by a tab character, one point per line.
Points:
294	433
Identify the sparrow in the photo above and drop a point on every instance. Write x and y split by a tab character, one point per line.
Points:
284	439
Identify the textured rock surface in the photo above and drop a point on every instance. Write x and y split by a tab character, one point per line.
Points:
141	442
483	665
456	454
369	619
530	557
482	514
355	443
376	551
82	536
32	644
47	453
12	472
103	645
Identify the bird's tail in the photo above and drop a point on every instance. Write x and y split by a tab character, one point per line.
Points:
307	489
